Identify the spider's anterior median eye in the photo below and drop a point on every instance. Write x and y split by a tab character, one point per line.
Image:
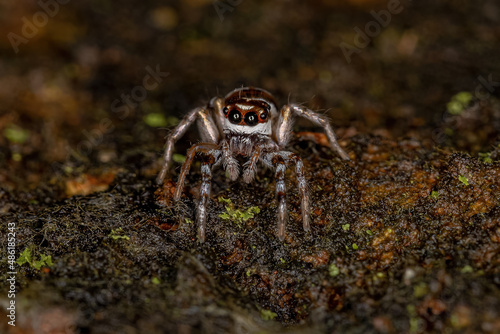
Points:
251	118
234	116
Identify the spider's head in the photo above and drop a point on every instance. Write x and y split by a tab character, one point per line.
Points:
249	110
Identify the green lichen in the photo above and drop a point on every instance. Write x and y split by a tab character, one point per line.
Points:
459	103
225	200
267	314
467	270
118	234
486	157
16	134
179	158
17	157
155	117
414	320
420	290
333	270
434	194
155	120
346	227
463	179
27	257
236	215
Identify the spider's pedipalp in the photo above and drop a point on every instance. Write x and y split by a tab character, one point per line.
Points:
231	165
251	166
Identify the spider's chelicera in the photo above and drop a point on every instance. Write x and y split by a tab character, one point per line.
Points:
245	123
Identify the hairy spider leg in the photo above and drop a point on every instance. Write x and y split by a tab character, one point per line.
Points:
208	131
196	148
279	163
302	184
217	104
279	160
206	180
285	127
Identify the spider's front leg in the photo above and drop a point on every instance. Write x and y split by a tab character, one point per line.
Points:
280	161
211	150
286	121
208	131
280	164
206	180
196	148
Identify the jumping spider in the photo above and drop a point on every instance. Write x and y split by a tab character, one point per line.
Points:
245	123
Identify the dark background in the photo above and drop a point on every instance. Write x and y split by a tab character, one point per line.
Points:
64	79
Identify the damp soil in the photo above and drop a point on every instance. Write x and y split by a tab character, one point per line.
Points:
405	237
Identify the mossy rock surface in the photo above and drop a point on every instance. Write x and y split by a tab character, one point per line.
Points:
381	248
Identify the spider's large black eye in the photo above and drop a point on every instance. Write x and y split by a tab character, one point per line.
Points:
234	116
251	118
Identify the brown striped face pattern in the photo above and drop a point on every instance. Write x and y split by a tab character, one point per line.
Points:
248	106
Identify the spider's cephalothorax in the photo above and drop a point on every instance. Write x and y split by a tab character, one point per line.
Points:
245	123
